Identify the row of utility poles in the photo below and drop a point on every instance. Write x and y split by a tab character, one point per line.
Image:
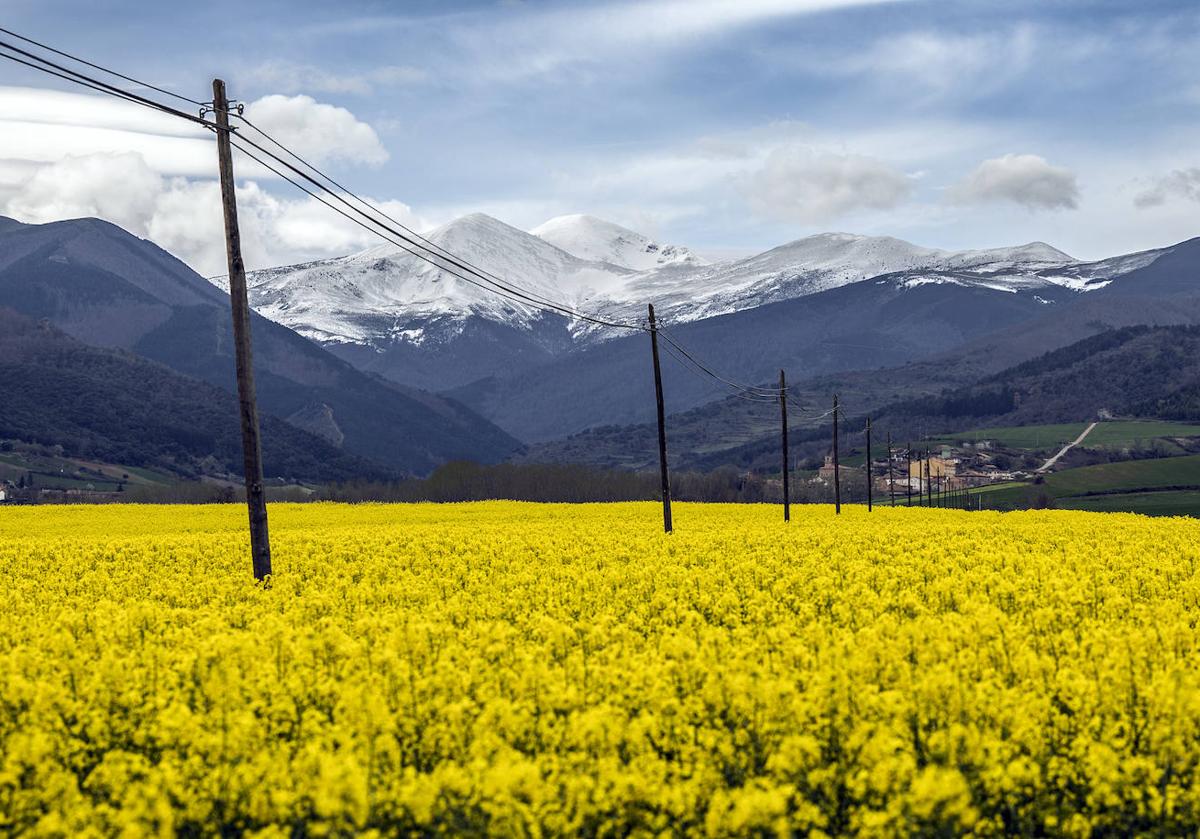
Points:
260	543
933	490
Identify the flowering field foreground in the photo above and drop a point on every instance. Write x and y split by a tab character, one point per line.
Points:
540	669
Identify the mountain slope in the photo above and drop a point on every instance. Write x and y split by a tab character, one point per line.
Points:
391	313
880	323
596	240
112	405
108	288
726	430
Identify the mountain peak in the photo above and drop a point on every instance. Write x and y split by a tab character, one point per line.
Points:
597	240
1041	248
478	220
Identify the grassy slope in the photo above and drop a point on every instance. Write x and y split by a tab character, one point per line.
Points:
67	472
1162	486
1114	434
1127	475
1124	433
1170	503
1022	437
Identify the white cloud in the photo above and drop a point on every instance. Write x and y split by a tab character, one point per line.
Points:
184	216
46	143
669	19
796	184
291	77
68	155
42	126
528	43
55	107
931	66
1025	179
1180	183
316	131
109	186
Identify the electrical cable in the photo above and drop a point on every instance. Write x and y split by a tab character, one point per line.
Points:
87	63
533	298
690	367
96	84
769	391
772	392
427	244
422	248
513	296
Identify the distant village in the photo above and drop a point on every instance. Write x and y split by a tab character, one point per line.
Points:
906	474
921	472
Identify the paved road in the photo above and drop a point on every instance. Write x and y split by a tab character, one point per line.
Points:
1049	464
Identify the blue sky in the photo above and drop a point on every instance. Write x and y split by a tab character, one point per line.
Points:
728	127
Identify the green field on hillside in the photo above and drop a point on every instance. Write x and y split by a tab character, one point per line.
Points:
1163	472
55	472
1161	486
1108	434
1169	503
1019	437
1124	433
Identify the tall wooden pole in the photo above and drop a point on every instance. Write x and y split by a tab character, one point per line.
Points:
908	483
260	540
928	479
870	488
662	426
891	471
837	469
787	496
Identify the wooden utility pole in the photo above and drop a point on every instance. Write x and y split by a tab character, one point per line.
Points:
908	483
837	469
787	497
891	471
928	479
870	488
662	426
260	540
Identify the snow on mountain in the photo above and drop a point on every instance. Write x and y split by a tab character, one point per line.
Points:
1032	255
377	294
596	240
383	296
829	260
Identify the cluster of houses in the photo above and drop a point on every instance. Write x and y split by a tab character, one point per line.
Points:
922	473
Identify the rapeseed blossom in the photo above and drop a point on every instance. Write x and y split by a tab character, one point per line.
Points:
522	669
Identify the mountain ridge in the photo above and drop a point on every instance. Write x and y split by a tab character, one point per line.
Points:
113	405
382	296
108	288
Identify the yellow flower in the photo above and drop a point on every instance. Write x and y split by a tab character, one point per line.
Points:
548	670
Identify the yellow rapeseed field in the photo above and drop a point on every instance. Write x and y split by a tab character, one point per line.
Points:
520	669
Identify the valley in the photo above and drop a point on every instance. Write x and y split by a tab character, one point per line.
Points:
382	365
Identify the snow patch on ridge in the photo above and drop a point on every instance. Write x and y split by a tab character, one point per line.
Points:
383	295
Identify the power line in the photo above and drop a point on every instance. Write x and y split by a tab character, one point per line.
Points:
412	243
421	251
96	84
763	391
696	371
87	63
105	88
427	244
512	296
468	265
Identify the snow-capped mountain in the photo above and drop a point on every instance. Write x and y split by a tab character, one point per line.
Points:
596	240
820	263
385	294
390	312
